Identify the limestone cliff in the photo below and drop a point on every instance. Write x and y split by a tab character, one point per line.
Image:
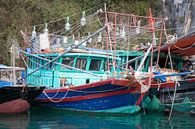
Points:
181	14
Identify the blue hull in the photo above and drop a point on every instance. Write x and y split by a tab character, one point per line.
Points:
105	98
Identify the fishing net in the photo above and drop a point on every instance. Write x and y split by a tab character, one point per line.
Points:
154	104
184	106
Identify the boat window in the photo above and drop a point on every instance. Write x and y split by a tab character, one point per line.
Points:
81	63
165	63
34	65
68	61
137	63
49	66
41	61
37	63
105	65
134	64
29	62
55	65
95	65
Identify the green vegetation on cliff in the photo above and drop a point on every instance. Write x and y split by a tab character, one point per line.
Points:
17	15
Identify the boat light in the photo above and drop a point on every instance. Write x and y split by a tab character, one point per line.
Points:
34	33
83	19
90	39
33	39
123	33
99	38
67	25
137	29
46	30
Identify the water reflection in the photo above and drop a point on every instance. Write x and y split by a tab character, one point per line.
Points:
75	120
60	119
16	121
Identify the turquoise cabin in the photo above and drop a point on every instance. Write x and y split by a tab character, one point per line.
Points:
84	68
125	56
164	61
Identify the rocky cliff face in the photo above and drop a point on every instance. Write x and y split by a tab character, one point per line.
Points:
181	14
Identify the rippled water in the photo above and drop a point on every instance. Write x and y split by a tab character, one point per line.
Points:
58	119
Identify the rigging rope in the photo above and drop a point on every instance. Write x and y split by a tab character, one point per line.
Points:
63	18
69	89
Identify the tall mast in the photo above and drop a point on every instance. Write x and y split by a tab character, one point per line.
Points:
13	64
106	24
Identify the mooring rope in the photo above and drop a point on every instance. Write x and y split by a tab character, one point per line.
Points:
56	101
173	100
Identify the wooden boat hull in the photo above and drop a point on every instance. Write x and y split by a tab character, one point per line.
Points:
184	98
112	96
16	99
185	89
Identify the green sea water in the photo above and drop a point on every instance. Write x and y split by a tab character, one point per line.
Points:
59	119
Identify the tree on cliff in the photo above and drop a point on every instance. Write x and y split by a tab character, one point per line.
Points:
23	14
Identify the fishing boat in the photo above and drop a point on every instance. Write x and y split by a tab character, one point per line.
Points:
15	98
81	81
108	80
89	80
173	83
181	97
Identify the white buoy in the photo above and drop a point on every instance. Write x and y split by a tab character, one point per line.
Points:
46	31
137	29
123	33
34	39
34	33
85	43
83	19
65	39
44	39
99	40
90	40
117	32
67	25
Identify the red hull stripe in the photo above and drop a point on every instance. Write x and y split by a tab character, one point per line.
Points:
99	83
140	99
95	84
170	84
94	96
191	80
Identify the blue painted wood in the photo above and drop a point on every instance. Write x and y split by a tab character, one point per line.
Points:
173	74
88	91
118	100
5	83
102	103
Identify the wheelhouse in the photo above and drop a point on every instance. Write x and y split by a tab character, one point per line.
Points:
75	68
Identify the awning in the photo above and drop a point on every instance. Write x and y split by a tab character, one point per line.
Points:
183	47
9	68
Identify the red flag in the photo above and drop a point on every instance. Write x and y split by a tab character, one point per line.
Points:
151	19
